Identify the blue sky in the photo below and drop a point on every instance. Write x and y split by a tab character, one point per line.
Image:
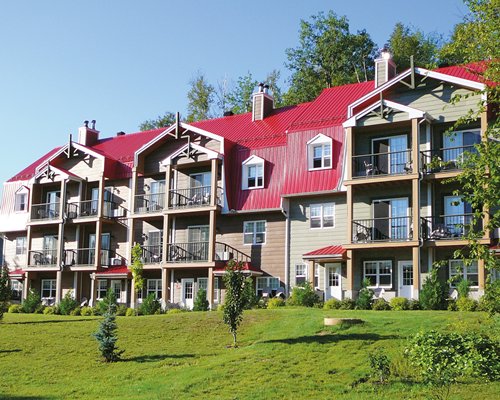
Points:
122	62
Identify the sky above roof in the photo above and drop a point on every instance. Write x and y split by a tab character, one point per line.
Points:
122	62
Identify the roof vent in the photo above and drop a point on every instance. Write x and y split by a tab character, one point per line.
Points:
385	69
262	103
121	133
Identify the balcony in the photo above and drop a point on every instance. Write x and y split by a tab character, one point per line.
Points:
449	227
45	211
86	257
42	258
89	209
193	197
444	159
152	254
198	252
149	203
380	164
375	230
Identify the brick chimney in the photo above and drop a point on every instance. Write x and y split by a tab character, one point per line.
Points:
262	103
385	69
88	136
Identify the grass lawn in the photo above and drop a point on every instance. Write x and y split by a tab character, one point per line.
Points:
283	354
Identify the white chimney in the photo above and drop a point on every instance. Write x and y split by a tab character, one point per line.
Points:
385	69
88	136
262	103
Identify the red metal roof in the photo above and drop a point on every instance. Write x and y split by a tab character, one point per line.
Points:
333	251
17	273
115	270
472	71
246	267
29	171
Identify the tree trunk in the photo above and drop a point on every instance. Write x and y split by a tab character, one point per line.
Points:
234	340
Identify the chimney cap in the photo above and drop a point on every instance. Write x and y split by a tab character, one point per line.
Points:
228	113
385	53
86	124
121	133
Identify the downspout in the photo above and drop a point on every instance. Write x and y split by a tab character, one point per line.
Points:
287	243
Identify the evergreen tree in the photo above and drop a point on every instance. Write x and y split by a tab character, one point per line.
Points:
106	334
201	302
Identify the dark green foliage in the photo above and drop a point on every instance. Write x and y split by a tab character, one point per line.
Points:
380	305
303	295
109	302
463	288
399	303
365	296
466	304
137	267
249	294
31	302
150	305
276	302
86	311
162	121
106	334
434	292
200	99
67	304
442	358
332	304
15	308
234	303
380	366
414	305
347	304
201	302
490	301
5	289
121	310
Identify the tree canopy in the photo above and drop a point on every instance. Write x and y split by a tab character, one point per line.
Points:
162	121
200	99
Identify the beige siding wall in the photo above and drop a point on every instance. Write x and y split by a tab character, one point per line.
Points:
363	137
12	259
363	197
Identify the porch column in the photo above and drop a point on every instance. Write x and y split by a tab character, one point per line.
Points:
481	275
349	152
164	286
28	244
60	233
349	213
168	174
172	284
415	152
350	274
133	189
98	230
210	288
26	285
58	286
93	290
416	271
310	272
76	291
213	182
166	238
211	240
133	294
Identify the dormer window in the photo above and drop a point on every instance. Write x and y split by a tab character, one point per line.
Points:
252	173
319	152
21	200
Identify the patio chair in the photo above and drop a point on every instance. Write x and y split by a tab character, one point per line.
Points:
370	169
84	302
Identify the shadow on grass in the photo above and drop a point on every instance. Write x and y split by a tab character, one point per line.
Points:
332	338
7	396
157	357
10	351
57	321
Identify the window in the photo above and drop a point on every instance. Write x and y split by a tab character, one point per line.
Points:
254	232
322	215
21	203
216	290
16	288
48	288
458	271
379	273
102	288
319	152
154	286
316	276
252	173
300	273
20	245
267	283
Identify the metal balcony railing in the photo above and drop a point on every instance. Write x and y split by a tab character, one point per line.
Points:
448	227
224	252
382	229
42	258
444	159
152	254
393	163
149	203
187	252
193	197
45	211
86	257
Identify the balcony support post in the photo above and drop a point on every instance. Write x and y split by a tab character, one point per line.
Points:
93	290
60	232
98	229
133	294
76	280
415	147
166	238
211	238
349	152
168	177
349	214
133	189
210	288
165	290
26	285
350	274
213	182
416	271
58	286
481	275
310	272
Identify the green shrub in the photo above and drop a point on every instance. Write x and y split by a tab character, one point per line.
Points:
347	304
332	304
96	310
434	292
262	302
106	334
414	305
365	296
130	312
466	304
121	310
463	288
150	305
49	310
86	311
380	365
276	302
220	307
399	303
67	304
15	309
490	302
303	295
250	298
76	312
380	305
442	358
452	305
31	302
201	302
40	308
176	311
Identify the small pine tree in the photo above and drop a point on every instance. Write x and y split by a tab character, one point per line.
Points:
234	303
201	302
365	296
106	334
434	292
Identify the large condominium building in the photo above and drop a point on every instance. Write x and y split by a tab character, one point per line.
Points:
346	187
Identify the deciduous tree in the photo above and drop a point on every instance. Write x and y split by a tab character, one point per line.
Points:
162	121
200	99
235	301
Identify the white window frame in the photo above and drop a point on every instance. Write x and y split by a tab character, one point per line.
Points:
216	290
16	287
254	233
21	200
271	282
302	268
52	289
100	288
325	143
321	217
21	248
157	290
465	270
378	274
256	162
